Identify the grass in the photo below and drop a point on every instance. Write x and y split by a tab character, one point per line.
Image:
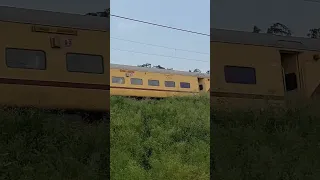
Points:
35	145
165	139
266	145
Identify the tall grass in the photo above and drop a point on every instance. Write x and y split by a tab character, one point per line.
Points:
150	139
35	145
266	145
166	139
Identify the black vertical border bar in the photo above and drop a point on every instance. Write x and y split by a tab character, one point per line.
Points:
212	163
108	69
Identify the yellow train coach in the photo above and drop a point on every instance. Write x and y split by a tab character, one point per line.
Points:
155	83
54	60
252	69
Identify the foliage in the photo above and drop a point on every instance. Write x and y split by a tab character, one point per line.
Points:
149	140
276	29
279	29
164	139
256	29
36	145
314	33
105	13
266	145
148	65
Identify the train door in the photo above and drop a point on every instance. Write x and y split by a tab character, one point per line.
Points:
291	75
202	85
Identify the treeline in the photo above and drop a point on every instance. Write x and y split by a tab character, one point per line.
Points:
148	65
283	30
104	13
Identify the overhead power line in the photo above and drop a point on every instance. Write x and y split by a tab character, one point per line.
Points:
166	47
160	55
160	25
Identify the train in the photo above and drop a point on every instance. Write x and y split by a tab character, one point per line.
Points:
62	62
54	60
143	82
250	70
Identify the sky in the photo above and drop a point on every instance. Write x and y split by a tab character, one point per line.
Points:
185	14
298	15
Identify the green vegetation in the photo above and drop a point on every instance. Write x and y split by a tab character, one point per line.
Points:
150	139
165	139
282	145
35	145
162	139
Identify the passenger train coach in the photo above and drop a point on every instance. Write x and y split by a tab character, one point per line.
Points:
54	60
252	69
155	83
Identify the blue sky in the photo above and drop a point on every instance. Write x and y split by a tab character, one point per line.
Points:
298	15
186	14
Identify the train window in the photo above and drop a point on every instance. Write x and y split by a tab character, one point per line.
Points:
240	75
85	63
25	59
200	87
184	85
136	81
153	82
118	80
291	81
169	83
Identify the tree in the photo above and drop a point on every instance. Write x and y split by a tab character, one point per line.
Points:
148	65
159	67
105	13
314	33
208	72
279	29
256	29
197	70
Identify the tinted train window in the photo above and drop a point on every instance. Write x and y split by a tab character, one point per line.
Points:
240	75
85	63
200	87
153	83
291	81
169	83
118	80
184	85
136	81
25	59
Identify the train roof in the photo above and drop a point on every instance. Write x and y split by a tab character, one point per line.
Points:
155	70
264	39
41	17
